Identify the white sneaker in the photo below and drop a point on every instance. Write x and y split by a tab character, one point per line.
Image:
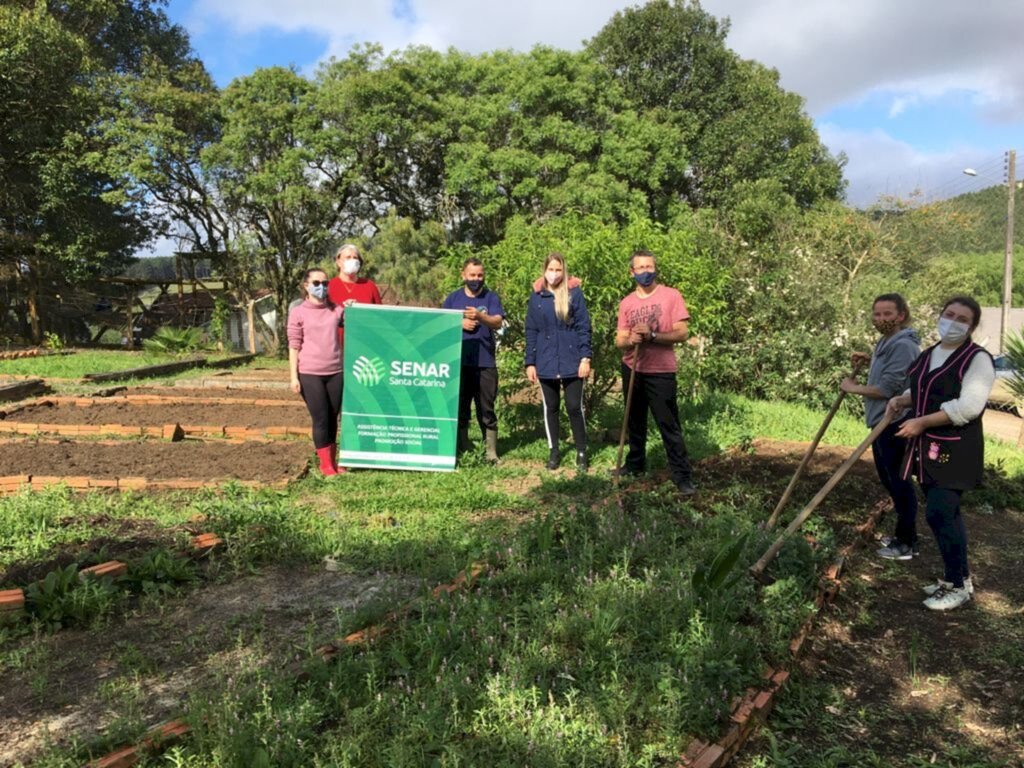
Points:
931	589
947	599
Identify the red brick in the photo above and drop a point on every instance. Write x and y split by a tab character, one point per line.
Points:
712	757
173	432
731	739
122	758
744	710
779	678
132	483
693	751
166	734
12	600
763	703
112	568
207	541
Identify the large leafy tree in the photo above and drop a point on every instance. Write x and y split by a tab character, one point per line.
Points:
65	213
739	126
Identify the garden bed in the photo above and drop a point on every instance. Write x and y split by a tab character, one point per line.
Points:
234	392
155	460
125	412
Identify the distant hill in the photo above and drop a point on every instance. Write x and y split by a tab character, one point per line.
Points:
987	208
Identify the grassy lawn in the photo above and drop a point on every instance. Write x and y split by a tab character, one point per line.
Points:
603	633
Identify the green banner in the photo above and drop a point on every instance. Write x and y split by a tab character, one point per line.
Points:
401	401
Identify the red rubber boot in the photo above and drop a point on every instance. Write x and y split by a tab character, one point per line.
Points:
334	461
326	463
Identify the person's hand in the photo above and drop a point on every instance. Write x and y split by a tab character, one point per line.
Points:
531	374
643	329
584	370
848	385
348	302
910	428
470	313
469	325
295	386
896	405
859	359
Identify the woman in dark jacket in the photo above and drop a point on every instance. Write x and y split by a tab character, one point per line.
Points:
558	353
949	386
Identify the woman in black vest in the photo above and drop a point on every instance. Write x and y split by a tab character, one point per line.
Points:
949	386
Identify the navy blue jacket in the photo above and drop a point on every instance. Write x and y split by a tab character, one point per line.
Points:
553	346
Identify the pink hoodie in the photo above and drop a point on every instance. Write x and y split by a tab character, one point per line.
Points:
313	330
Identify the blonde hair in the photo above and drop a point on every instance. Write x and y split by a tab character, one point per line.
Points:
561	291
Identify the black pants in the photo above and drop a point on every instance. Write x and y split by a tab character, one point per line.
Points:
655	392
943	515
323	399
888	451
479	386
550	392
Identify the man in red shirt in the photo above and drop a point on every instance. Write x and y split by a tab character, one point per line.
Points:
652	320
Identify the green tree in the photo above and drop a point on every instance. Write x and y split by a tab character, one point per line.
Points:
266	173
65	213
738	124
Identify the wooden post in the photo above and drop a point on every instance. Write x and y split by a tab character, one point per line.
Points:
250	313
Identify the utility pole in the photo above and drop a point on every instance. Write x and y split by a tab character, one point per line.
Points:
1011	186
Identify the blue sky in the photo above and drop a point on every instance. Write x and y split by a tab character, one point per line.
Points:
912	91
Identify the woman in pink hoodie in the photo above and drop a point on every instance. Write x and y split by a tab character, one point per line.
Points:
314	359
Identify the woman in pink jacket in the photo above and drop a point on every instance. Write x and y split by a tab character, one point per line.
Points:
314	359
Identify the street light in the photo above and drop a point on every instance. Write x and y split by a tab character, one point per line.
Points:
1011	186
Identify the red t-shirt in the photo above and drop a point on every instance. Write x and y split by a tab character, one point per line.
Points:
362	291
660	310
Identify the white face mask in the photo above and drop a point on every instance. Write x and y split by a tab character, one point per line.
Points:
553	278
351	266
951	332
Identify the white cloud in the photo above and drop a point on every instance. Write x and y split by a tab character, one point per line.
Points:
881	165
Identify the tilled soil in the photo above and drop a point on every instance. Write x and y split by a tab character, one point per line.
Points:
138	415
156	460
233	393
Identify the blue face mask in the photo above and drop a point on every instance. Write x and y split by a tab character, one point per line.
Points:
318	291
646	279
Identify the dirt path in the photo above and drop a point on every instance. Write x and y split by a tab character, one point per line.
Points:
1002	425
888	682
80	684
121	411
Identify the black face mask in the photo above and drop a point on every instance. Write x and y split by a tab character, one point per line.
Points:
474	285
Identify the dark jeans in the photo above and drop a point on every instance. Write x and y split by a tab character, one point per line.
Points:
655	392
942	511
479	386
550	392
323	399
888	451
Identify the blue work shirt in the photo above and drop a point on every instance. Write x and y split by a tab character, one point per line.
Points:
478	346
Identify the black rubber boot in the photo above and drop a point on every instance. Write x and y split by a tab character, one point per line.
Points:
554	459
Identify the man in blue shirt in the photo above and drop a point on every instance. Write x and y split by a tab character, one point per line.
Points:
482	315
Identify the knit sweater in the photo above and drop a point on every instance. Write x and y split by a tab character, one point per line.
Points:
313	331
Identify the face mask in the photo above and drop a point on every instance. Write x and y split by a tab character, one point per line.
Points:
351	266
318	291
950	331
885	327
646	279
553	278
474	285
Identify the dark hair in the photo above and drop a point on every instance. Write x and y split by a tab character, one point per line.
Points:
305	279
644	253
472	261
899	301
968	302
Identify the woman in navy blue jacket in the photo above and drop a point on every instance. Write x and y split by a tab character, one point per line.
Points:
558	353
